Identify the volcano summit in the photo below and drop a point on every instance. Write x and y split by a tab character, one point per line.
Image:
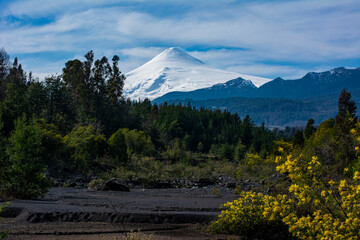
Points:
175	70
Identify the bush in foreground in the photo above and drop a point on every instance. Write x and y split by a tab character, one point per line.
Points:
25	171
314	208
248	217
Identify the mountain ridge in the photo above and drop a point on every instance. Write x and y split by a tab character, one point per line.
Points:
175	70
311	85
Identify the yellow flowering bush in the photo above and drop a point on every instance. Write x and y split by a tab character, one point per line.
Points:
332	208
280	148
313	208
355	165
254	215
253	159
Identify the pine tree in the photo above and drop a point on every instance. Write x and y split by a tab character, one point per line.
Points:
344	121
298	139
116	82
309	129
4	71
15	102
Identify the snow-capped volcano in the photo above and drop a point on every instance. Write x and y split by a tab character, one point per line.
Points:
175	70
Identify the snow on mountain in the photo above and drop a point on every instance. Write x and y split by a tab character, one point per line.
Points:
235	83
175	70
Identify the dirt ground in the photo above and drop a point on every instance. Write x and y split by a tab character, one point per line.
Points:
107	231
82	214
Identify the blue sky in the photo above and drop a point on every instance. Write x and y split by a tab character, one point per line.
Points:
263	38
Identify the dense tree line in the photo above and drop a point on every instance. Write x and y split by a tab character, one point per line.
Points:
279	112
81	118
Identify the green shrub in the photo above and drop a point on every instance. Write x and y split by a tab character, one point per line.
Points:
239	152
85	145
4	161
95	183
117	147
175	151
223	151
25	173
52	143
138	143
253	159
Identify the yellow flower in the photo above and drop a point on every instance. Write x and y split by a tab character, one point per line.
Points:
294	188
331	182
356	176
277	209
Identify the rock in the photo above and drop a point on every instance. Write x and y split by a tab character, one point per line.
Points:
204	182
114	185
72	184
159	185
231	185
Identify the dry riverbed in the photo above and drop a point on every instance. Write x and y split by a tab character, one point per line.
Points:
71	213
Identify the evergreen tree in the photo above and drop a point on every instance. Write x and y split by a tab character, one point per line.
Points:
345	120
25	173
346	116
4	71
247	131
15	102
59	109
98	90
77	86
309	129
36	99
95	88
116	82
298	139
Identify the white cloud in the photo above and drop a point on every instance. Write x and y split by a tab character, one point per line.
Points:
42	8
288	32
285	72
281	31
245	62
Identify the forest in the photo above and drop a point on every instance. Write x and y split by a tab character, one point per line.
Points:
81	122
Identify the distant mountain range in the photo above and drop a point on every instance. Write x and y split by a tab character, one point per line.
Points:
311	85
277	103
174	76
175	70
